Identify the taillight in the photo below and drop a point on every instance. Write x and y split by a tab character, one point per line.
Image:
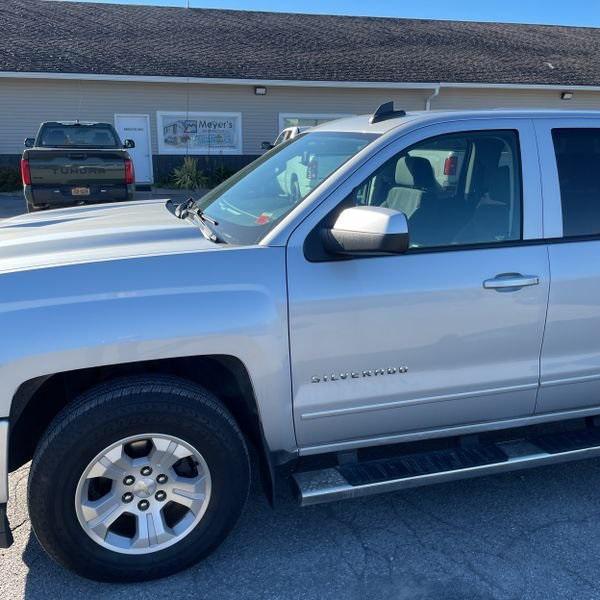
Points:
25	171
450	165
312	171
129	172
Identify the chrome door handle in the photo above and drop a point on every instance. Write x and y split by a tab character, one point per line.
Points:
510	280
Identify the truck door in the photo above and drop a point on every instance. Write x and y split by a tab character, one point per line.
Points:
570	160
447	334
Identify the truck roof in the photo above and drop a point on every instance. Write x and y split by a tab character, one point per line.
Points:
84	123
362	123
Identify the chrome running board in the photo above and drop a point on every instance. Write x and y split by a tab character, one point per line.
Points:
402	472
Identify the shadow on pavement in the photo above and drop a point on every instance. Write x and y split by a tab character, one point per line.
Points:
534	534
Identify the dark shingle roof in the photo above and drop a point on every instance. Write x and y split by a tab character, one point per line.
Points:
47	36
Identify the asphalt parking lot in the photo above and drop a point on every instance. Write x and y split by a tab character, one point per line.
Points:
11	205
528	535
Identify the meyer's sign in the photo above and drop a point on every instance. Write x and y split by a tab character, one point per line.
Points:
199	133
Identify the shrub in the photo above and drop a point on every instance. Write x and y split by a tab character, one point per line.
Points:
188	176
220	174
10	179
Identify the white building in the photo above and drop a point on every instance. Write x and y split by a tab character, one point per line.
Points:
214	83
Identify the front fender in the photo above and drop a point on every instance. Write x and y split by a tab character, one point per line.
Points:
230	301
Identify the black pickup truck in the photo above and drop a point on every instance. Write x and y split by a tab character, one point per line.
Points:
70	163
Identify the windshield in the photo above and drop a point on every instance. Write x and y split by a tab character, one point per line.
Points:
78	136
249	204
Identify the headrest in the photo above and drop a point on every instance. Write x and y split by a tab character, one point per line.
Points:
415	171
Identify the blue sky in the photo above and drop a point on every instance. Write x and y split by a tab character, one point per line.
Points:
570	12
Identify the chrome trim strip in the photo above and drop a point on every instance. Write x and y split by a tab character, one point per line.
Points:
316	487
427	434
334	412
3	462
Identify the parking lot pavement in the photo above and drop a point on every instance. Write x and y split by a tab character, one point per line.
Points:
528	535
11	205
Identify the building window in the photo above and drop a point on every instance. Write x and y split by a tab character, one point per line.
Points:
199	133
306	120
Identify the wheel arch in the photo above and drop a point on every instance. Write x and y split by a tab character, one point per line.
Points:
38	400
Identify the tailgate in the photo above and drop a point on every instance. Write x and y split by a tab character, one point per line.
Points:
55	168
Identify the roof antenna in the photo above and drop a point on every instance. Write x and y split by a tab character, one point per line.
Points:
386	111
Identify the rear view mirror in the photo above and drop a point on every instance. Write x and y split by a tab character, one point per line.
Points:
128	144
29	142
367	230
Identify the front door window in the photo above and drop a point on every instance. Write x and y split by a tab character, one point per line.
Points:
455	190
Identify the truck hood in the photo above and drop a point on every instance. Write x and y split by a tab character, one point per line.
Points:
94	233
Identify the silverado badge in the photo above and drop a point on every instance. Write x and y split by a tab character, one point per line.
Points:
360	374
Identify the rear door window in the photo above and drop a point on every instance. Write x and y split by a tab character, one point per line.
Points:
578	162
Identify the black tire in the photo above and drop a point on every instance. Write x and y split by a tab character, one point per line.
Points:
114	411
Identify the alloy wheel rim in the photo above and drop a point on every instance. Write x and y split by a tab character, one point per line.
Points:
143	493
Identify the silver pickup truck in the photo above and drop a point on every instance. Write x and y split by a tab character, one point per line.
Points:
429	311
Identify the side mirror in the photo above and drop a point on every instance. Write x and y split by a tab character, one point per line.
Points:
128	144
367	230
266	146
29	142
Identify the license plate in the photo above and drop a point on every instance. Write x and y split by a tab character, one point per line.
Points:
80	191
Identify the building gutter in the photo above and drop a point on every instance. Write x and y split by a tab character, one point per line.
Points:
216	80
436	92
390	85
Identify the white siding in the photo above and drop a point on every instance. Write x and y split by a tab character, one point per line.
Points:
497	98
24	103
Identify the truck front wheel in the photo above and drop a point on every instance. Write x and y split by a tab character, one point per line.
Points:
138	479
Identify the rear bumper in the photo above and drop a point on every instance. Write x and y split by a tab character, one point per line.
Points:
44	198
5	534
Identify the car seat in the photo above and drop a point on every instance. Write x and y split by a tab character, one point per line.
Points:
414	181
